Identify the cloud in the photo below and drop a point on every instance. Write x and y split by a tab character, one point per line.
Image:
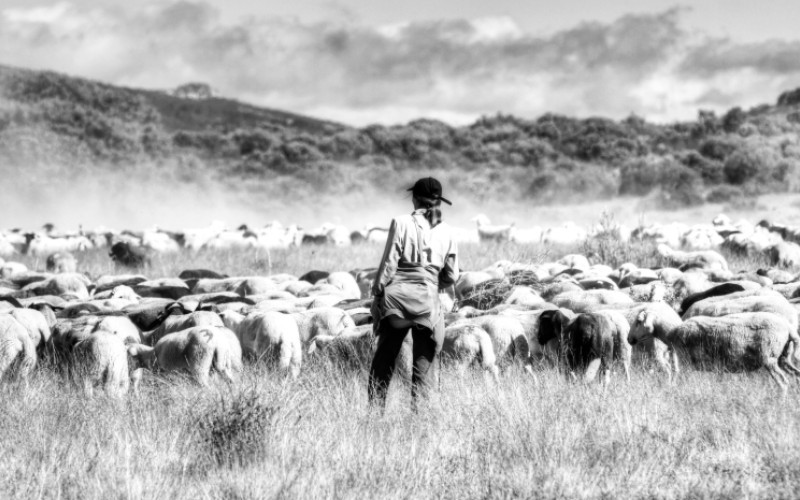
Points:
455	69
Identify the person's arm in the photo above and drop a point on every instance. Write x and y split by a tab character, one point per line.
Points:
449	273
388	265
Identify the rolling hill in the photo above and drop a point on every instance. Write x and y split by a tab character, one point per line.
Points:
53	125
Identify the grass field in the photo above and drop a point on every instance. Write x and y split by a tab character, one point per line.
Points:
710	435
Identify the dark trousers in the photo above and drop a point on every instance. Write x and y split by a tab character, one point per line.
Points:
390	341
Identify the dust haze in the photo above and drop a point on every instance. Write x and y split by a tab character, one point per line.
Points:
143	197
146	196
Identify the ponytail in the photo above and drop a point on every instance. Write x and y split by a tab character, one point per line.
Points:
433	210
434	216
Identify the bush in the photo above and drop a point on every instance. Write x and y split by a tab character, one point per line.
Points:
233	432
733	119
717	148
710	170
789	98
750	163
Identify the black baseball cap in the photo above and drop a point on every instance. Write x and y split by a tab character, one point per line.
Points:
430	188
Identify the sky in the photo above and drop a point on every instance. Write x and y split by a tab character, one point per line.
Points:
376	61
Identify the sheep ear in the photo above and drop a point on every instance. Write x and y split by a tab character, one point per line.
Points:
641	317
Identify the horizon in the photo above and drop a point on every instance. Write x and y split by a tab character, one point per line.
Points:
357	64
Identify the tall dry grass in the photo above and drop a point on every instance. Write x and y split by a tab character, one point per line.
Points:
710	435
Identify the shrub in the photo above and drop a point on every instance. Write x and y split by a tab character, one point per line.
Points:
749	163
233	431
710	170
717	148
733	119
789	98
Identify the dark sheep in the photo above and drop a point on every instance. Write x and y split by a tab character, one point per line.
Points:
314	276
716	291
199	274
129	256
586	342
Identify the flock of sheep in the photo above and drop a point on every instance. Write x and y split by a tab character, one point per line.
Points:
582	316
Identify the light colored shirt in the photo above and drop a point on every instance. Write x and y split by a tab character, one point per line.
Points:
435	247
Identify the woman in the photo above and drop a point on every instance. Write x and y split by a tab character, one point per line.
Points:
420	258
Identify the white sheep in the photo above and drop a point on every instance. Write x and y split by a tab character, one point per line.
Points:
489	233
102	359
121	326
508	337
705	259
583	300
270	335
198	350
467	343
176	323
746	341
35	323
17	352
322	321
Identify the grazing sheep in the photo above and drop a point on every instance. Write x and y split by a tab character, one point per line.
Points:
198	350
61	262
35	323
784	254
175	323
628	275
561	287
322	321
121	326
467	343
355	347
744	302
66	284
352	348
102	359
469	281
508	337
707	259
344	283
9	269
489	233
583	300
270	335
17	352
589	341
747	341
660	312
523	296
126	254
715	291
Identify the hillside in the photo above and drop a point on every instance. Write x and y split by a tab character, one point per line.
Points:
52	124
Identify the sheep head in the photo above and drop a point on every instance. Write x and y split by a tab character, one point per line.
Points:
143	356
231	319
481	220
551	326
642	327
